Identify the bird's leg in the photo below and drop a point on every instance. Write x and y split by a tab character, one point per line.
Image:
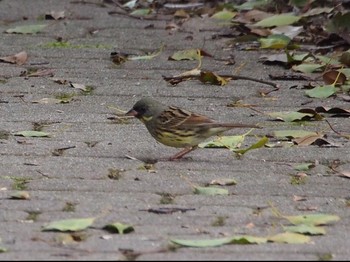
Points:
182	153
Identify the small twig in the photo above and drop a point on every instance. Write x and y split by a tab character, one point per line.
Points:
236	77
335	131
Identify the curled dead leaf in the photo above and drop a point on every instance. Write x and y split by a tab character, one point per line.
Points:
19	58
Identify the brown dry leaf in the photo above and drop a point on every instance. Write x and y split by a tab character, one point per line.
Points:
39	72
334	77
172	26
261	31
181	13
60	81
174	80
250	225
344	173
336	111
309	139
307	208
18	59
299	198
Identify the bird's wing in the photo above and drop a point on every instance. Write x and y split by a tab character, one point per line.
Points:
175	117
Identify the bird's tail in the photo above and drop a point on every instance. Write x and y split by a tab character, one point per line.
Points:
232	125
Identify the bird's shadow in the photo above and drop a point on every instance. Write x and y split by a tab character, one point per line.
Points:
152	161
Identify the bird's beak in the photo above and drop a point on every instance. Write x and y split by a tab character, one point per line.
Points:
132	112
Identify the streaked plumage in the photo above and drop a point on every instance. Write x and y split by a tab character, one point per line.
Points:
176	127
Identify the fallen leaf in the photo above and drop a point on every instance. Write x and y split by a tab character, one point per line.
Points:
56	15
299	198
291	116
310	140
31	133
257	145
344	174
20	195
49	101
141	12
189	54
212	78
312	219
334	77
223	182
306	229
39	73
303	166
290	238
245	239
278	20
79	86
119	228
224	14
69	224
19	58
292	133
274	42
229	142
321	91
26	29
210	191
336	111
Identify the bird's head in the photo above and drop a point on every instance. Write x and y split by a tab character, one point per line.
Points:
145	109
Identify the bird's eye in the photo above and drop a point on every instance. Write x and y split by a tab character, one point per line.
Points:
141	110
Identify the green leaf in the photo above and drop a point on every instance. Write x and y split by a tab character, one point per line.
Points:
275	41
291	116
290	238
313	219
147	57
31	133
292	133
306	229
225	15
189	54
48	100
251	4
304	166
224	141
321	91
328	60
212	78
278	20
248	240
220	241
339	23
119	228
257	145
26	29
307	68
210	191
69	224
141	12
202	242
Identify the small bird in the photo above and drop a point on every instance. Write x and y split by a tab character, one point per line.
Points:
176	127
